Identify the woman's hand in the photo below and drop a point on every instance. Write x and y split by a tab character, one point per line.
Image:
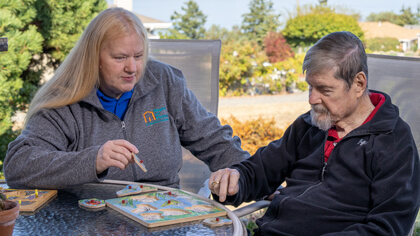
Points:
116	153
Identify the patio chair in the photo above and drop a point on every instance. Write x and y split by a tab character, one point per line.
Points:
399	78
199	62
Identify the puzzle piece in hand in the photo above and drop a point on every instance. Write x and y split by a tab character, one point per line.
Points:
92	203
139	162
217	221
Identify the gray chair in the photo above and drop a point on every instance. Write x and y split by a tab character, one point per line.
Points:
199	62
399	77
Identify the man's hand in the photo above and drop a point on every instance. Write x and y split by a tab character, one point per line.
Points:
224	182
115	153
271	197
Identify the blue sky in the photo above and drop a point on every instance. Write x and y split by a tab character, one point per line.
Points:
227	13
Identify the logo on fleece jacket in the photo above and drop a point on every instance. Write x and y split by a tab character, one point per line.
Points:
155	116
362	142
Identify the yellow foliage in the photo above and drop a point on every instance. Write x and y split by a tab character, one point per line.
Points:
254	133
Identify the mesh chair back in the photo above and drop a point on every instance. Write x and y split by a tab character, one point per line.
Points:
400	78
199	62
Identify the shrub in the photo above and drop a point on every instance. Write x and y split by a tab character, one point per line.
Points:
254	133
5	139
236	65
276	47
382	44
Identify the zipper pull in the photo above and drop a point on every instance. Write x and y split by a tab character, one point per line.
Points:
123	125
323	171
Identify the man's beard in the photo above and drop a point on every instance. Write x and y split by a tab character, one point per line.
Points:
324	123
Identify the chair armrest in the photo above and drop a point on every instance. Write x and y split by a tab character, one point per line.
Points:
246	210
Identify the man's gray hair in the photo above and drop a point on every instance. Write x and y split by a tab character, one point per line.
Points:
341	51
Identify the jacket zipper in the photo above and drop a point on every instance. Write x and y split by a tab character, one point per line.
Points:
323	171
123	128
304	192
125	136
324	168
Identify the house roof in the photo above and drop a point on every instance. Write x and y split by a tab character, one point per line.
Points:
387	29
146	19
149	22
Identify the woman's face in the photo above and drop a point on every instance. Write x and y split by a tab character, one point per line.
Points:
121	63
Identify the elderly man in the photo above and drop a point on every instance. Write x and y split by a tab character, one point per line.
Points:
350	164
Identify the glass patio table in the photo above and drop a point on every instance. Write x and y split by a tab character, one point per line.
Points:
63	216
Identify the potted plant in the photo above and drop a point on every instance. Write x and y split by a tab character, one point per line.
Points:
9	211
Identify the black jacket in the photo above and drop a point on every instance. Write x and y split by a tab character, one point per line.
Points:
369	186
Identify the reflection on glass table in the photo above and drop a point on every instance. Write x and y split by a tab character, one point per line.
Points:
63	216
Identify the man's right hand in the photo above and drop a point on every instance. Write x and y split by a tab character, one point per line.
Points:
116	153
224	183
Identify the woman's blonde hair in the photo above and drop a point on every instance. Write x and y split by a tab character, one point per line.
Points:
78	75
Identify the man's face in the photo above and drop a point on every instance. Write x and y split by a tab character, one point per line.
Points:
121	65
331	101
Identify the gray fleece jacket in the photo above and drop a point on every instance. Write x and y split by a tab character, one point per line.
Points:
58	148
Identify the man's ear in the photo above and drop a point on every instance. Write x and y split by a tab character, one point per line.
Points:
360	81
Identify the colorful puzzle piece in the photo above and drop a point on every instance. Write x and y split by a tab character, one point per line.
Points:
217	221
139	162
132	189
92	203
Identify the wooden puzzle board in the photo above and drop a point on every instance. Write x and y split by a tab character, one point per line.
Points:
27	198
164	208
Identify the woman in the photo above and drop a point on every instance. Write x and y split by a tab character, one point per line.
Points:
104	103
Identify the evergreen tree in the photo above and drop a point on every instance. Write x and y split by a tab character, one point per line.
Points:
40	33
190	24
405	18
61	23
260	20
24	41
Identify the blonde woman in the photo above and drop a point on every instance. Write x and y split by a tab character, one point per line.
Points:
107	101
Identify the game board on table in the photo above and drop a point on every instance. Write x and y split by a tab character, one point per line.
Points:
164	208
29	199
